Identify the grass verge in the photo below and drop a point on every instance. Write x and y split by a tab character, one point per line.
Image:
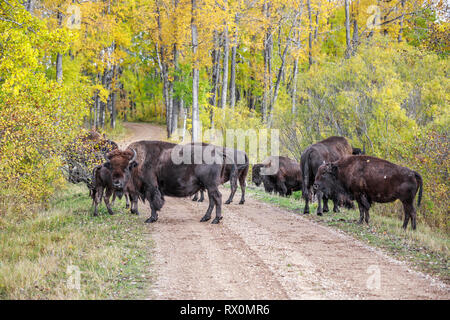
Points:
425	249
41	252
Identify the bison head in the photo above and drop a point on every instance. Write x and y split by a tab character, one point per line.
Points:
256	174
120	163
326	181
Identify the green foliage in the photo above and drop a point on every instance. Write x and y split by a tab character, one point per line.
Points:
38	116
392	98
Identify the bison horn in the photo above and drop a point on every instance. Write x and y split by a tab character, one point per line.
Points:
134	155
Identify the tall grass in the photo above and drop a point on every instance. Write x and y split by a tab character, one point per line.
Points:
37	249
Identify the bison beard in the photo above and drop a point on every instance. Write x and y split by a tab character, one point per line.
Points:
368	179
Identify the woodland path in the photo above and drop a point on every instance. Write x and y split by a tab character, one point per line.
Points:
259	251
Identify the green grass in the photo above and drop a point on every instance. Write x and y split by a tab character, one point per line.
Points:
111	252
425	249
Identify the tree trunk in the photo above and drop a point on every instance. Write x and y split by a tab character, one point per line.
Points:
59	71
195	77
226	50
294	87
310	36
348	49
175	101
400	32
233	77
215	70
233	67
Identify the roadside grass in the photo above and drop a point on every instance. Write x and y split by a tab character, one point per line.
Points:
425	249
39	249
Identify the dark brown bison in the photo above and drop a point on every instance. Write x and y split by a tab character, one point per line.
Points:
288	177
328	150
241	160
155	177
368	179
102	187
147	155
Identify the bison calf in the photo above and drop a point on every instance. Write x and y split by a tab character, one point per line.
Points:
368	179
101	181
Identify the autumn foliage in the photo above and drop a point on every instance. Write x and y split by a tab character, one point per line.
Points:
373	71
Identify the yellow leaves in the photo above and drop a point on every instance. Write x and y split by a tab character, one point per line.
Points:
102	92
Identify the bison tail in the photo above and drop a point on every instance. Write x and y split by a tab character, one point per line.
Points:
420	181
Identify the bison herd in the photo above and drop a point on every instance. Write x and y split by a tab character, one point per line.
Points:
328	170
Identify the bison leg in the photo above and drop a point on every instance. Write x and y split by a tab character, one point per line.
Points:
306	197
106	198
335	206
281	186
367	216
319	203
325	204
97	199
410	213
233	191
216	196
207	215
127	200
154	214
134	204
242	184
113	199
202	196
361	213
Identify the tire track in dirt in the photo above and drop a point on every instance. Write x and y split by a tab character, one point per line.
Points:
261	252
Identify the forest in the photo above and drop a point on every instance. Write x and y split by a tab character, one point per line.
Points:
374	71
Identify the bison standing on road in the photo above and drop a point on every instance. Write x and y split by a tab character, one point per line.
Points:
287	179
154	177
241	160
328	150
368	179
147	155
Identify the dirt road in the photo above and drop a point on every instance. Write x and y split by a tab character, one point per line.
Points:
261	252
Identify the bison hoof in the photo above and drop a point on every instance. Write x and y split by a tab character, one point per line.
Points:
110	212
194	199
319	213
228	202
216	220
359	222
151	220
201	200
205	218
127	206
242	202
